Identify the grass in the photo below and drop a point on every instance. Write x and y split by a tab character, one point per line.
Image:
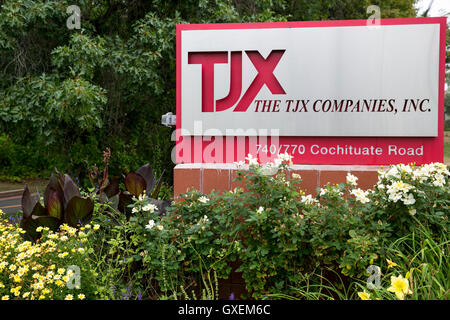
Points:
447	152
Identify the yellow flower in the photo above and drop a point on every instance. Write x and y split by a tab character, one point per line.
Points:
21	271
69	297
25	295
364	295
39	229
391	264
16	291
81	296
39	286
399	286
63	255
61	270
5	298
96	226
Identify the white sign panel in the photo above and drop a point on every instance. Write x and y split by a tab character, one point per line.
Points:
355	81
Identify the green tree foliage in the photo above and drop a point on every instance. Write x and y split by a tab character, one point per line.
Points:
69	94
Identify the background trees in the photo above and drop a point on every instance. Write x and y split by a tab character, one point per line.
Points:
66	95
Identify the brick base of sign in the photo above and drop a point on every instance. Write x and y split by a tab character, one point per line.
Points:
219	177
206	177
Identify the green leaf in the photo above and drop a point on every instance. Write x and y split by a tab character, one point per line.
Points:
155	192
78	210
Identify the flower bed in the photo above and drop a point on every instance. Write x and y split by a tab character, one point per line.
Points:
390	242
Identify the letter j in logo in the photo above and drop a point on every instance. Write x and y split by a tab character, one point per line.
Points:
265	76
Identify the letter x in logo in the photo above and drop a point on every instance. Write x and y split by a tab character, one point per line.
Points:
265	76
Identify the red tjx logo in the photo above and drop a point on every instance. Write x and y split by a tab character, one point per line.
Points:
265	76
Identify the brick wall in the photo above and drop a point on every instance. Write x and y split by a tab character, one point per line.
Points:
207	177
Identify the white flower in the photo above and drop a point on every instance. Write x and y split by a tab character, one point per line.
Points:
150	225
412	211
439	180
240	164
285	157
400	186
394	197
296	176
409	199
397	190
236	190
160	227
203	199
351	179
381	174
277	162
150	207
308	199
405	168
251	160
323	191
360	195
393	172
135	210
142	196
260	210
269	168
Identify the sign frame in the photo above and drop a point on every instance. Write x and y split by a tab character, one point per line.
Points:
317	150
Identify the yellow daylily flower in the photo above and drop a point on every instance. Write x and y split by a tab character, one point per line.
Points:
399	286
391	264
364	295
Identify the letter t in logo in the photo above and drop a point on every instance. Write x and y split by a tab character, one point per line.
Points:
208	60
